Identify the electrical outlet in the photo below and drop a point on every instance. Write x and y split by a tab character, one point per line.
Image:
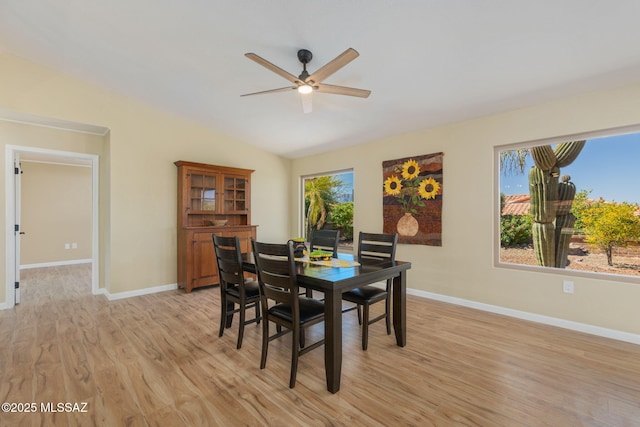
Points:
74	246
67	246
567	286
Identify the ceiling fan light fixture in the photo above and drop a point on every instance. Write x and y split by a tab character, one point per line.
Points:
305	89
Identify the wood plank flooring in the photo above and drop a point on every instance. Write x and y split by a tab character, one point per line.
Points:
156	360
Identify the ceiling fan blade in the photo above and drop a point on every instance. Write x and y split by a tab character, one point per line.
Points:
274	68
306	102
282	89
340	61
343	90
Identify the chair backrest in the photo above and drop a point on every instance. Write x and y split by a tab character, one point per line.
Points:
275	266
373	246
228	260
326	240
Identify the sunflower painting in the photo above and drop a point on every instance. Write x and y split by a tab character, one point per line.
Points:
412	199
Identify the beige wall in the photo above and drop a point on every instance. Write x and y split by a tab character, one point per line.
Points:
138	177
464	266
56	210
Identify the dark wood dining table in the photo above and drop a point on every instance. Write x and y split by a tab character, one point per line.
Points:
332	282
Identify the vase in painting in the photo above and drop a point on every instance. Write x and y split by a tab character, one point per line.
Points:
407	225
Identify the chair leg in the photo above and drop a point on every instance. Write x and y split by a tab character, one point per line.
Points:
230	308
294	356
359	315
241	326
302	338
223	315
365	326
265	343
388	313
257	306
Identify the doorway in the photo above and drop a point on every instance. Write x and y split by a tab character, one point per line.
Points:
15	154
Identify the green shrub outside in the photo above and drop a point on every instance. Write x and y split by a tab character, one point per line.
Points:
515	230
341	215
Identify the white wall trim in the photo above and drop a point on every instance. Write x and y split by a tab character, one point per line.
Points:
538	318
56	263
10	257
49	122
139	292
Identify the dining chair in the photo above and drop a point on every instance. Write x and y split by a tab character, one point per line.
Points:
277	279
376	248
235	288
325	240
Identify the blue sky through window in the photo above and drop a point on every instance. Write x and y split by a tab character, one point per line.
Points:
346	192
609	166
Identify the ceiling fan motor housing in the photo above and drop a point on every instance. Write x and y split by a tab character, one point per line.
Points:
304	56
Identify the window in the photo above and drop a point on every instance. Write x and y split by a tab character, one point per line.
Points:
571	203
328	203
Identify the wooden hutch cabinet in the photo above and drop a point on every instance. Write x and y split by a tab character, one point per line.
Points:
208	195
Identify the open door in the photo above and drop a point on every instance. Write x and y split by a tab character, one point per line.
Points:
18	231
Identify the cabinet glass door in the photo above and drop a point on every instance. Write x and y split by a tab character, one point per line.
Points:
235	194
203	192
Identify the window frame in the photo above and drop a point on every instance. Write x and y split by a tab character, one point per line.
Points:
602	133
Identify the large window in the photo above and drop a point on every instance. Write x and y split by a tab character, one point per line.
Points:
572	203
328	203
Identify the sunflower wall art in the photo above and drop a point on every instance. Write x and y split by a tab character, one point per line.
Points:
412	199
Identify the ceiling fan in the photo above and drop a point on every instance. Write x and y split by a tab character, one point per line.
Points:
307	83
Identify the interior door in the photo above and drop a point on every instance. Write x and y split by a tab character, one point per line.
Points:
18	231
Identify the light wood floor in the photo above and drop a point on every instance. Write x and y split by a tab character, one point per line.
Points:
157	360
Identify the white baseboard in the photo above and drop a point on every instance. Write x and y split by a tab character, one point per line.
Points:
101	291
547	320
56	263
138	292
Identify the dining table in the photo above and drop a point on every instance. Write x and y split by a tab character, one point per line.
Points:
338	276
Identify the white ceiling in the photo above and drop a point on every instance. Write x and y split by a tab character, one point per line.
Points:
427	62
